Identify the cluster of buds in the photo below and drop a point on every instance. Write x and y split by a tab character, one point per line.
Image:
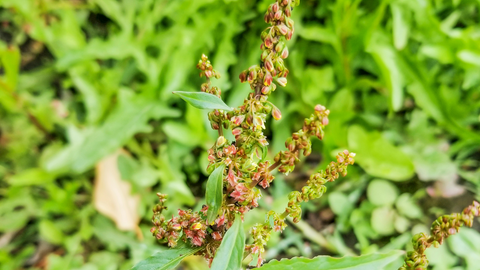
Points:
245	157
314	189
207	70
188	224
300	140
442	228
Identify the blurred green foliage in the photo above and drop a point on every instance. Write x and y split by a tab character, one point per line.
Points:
82	79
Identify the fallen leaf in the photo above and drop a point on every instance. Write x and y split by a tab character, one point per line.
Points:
112	196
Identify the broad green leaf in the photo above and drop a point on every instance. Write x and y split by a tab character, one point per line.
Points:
127	119
214	193
379	157
370	261
203	100
230	253
167	259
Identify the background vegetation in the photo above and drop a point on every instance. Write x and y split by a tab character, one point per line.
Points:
89	129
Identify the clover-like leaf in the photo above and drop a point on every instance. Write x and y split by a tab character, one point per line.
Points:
214	193
230	253
203	100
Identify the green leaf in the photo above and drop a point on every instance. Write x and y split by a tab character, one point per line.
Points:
166	259
34	176
50	232
381	192
203	100
214	193
401	25
230	252
370	261
10	59
383	219
377	156
127	119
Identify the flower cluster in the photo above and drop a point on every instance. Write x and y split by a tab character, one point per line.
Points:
207	70
246	166
442	228
192	225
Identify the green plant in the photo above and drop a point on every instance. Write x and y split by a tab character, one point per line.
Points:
236	168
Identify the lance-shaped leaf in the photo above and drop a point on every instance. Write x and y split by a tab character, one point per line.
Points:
203	100
167	259
370	261
214	193
230	253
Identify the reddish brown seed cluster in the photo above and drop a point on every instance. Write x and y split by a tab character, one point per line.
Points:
442	228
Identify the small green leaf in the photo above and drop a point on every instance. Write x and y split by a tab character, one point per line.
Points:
370	261
381	192
203	100
230	252
167	259
214	193
50	232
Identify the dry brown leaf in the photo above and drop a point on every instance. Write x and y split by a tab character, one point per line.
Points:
112	196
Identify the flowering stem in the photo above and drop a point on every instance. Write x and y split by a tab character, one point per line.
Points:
220	131
274	166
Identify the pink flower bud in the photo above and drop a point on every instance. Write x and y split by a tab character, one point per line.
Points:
290	22
263	142
266	90
258	122
269	65
243	76
221	141
325	121
289	35
278	15
319	108
268	42
284	53
282	81
236	131
275	7
268	79
176	227
208	73
283	29
288	11
277	115
216	236
237	120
